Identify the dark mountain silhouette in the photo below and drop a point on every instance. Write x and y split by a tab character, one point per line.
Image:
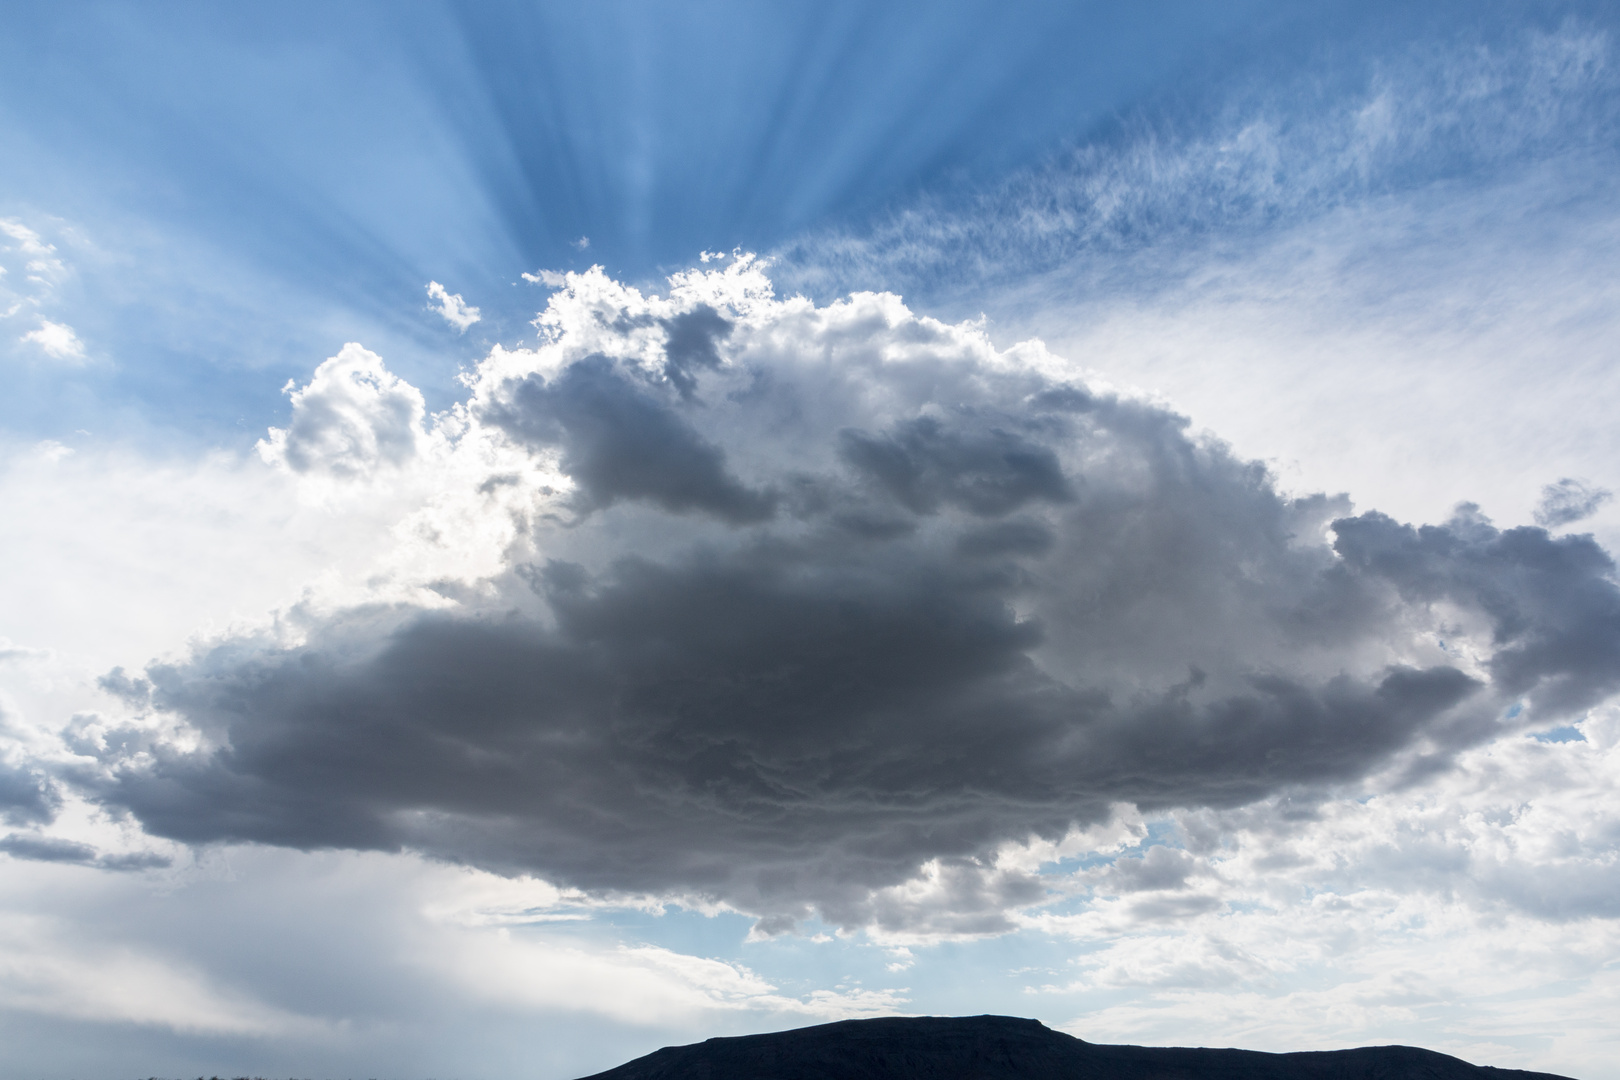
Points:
1011	1048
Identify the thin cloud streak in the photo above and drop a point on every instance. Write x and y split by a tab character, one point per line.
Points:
1116	213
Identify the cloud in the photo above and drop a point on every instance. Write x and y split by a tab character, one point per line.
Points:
811	610
640	985
456	311
1554	612
54	849
42	264
620	443
1569	501
1437	218
353	419
29	285
26	796
1258	154
50	969
57	340
1439	907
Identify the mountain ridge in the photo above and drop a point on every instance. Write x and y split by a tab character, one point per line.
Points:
1015	1048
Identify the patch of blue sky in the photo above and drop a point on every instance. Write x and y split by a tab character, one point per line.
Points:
260	184
1402	106
945	976
1566	733
656	130
1161	832
257	185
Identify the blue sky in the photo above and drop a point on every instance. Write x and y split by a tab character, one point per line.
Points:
537	532
287	168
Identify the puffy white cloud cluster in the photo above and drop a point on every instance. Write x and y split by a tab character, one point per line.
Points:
57	340
456	311
354	418
1474	912
834	611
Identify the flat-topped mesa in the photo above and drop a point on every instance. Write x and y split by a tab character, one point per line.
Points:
1013	1048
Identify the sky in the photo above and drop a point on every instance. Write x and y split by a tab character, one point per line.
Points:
537	532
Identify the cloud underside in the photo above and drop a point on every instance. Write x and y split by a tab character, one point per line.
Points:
808	597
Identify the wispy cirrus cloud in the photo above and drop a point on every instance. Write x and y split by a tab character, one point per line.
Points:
30	271
56	340
1117	211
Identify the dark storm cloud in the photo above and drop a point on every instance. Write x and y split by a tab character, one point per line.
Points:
46	849
26	797
1553	606
923	465
1569	501
619	441
956	602
56	850
693	343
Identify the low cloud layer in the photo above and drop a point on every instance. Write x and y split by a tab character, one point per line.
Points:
793	601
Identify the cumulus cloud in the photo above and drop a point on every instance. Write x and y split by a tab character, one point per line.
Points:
812	610
353	419
456	311
56	339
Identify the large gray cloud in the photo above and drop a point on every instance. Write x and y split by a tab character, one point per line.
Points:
26	797
824	594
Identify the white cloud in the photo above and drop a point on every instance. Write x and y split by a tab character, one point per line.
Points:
635	984
354	418
56	339
29	288
456	311
47	967
40	259
1473	913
